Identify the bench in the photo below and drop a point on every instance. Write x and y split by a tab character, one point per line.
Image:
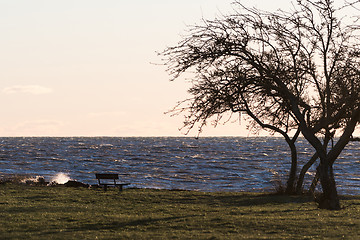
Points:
108	177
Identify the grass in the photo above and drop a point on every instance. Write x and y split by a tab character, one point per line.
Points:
29	212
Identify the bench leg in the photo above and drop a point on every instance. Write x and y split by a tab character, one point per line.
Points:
105	188
120	188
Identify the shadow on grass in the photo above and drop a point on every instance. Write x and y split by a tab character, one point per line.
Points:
263	199
38	209
120	225
243	200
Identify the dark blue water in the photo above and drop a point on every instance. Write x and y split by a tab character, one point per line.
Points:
206	164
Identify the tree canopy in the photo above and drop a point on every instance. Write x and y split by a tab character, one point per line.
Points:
287	70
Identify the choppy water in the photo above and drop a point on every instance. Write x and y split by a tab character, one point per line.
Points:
206	164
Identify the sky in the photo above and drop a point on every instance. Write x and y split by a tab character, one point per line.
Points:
91	68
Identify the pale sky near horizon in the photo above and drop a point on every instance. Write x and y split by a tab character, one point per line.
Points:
83	67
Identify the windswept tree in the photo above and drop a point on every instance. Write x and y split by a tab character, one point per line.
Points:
288	71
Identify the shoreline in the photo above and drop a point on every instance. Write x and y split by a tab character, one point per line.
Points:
40	182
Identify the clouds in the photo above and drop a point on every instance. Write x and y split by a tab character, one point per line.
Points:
27	89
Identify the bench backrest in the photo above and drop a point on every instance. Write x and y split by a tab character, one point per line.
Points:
107	176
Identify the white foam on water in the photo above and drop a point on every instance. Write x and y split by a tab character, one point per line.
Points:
32	179
60	178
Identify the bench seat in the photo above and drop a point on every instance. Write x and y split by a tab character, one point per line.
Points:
109	179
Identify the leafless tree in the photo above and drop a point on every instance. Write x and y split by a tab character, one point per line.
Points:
288	71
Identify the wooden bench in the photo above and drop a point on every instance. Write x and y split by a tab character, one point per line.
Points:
108	177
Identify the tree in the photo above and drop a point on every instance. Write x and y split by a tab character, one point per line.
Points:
297	70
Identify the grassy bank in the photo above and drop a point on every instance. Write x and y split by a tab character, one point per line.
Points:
79	213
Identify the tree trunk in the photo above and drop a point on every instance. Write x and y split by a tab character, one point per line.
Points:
300	182
314	183
290	187
329	198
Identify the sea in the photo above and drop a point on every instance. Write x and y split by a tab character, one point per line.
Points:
184	163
